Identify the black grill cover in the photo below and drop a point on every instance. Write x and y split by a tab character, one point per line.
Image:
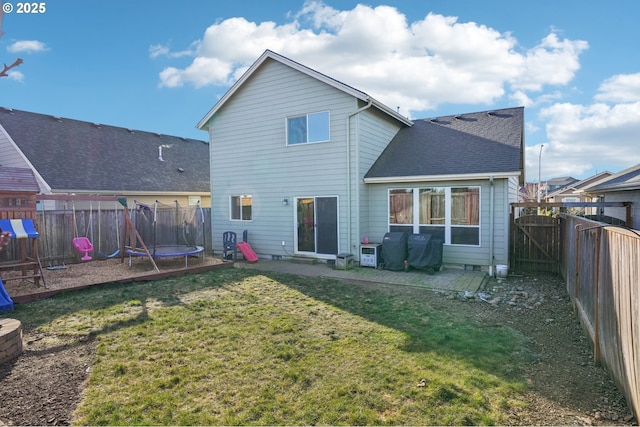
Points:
424	252
394	250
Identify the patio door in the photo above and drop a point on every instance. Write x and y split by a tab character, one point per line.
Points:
317	225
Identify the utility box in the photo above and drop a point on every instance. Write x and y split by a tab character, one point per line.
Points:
344	261
370	255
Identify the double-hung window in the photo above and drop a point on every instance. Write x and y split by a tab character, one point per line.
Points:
240	208
453	213
308	128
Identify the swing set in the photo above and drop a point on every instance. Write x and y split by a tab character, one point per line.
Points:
83	245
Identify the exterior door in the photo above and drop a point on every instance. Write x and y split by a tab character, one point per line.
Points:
317	225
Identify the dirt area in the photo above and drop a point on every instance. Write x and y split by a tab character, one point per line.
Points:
100	271
44	385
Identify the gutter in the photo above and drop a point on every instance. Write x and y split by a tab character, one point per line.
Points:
434	178
491	220
349	180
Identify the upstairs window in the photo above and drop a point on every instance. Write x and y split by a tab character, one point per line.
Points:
308	128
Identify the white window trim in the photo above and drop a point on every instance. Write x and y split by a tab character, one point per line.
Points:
242	196
286	128
447	203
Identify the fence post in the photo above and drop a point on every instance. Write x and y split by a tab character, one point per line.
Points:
596	302
576	284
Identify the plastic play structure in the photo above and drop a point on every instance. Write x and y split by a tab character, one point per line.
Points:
230	247
6	303
247	252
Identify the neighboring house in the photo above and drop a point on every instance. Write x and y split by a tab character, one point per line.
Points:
18	190
623	186
555	184
310	167
575	193
71	156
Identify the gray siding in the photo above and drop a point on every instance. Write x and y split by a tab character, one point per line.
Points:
453	254
12	157
249	155
9	153
632	196
373	133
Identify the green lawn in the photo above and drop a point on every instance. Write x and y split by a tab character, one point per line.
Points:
238	347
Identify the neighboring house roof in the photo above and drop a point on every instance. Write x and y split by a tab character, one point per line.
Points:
17	180
76	156
270	55
628	179
488	143
560	182
579	187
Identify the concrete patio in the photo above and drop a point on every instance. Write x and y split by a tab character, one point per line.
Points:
447	280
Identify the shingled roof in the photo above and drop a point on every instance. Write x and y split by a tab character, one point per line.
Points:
17	180
626	180
482	143
73	155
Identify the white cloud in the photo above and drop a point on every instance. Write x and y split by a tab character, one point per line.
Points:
202	72
416	66
552	62
620	88
15	75
437	60
582	137
158	50
27	46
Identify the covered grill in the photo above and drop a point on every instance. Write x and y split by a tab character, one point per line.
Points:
394	250
424	252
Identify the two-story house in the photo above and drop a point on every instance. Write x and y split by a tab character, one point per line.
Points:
310	166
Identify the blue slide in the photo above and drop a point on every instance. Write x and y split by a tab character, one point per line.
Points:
6	304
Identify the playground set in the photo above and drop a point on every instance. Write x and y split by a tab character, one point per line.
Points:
18	189
19	226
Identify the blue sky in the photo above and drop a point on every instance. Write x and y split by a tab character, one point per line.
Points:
159	65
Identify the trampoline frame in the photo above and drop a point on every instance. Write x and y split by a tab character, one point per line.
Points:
193	250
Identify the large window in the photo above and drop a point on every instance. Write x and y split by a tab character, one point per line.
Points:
453	213
308	128
240	208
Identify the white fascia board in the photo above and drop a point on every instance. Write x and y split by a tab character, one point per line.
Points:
129	193
436	178
303	69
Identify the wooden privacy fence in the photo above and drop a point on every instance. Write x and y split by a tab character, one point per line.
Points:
601	266
104	229
535	244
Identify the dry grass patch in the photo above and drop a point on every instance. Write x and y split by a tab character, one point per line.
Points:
235	347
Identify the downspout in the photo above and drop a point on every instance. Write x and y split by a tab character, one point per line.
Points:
349	215
491	220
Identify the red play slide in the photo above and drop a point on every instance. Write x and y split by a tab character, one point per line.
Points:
247	252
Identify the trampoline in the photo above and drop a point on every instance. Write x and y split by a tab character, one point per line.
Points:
167	251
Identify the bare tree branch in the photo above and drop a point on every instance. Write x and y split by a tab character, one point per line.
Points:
6	68
18	61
